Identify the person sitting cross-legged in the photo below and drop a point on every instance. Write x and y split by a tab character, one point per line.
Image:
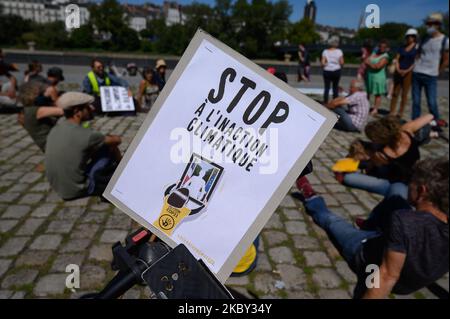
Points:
406	240
354	118
79	161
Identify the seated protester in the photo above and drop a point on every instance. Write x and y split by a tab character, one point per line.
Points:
411	246
389	165
80	161
148	90
33	73
38	119
355	117
54	77
160	74
97	78
8	87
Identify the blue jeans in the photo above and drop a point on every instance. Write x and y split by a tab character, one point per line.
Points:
428	82
347	239
345	122
100	171
375	185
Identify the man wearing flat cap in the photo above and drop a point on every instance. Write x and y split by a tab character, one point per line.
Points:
79	161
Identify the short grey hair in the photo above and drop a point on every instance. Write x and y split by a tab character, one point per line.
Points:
358	84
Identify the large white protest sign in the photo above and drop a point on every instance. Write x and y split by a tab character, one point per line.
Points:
115	99
217	153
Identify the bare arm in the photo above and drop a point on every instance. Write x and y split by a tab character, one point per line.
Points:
339	101
140	92
323	60
48	111
380	64
341	60
418	123
444	63
390	271
112	140
51	93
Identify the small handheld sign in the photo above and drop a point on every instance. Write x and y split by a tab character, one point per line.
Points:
217	153
115	99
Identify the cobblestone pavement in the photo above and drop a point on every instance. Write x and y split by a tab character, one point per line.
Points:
40	234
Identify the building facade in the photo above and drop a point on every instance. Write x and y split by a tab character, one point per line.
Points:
43	11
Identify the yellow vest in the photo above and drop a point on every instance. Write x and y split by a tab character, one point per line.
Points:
94	83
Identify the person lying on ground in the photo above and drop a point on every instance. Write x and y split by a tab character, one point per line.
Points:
407	239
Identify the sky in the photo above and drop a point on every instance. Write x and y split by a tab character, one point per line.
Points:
346	13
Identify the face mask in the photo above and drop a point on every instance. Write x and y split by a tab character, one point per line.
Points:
431	30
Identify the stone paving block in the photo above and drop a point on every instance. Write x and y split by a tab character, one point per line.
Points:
296	228
70	213
30	226
113	236
287	202
81	202
265	283
263	263
133	293
17	187
292	276
16	211
33	258
63	260
31	198
100	207
13	246
94	217
326	278
343	270
9	197
305	242
281	255
345	198
92	277
31	177
101	252
333	294
316	258
41	187
44	210
274	222
4	265
7	224
76	245
237	281
84	231
292	214
299	294
60	226
121	221
19	278
274	238
53	284
5	294
46	242
355	210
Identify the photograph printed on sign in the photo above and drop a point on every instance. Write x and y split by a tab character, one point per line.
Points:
190	196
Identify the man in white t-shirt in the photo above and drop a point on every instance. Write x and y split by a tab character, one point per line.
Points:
432	59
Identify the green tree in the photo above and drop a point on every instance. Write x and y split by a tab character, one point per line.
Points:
303	32
82	37
12	29
391	31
